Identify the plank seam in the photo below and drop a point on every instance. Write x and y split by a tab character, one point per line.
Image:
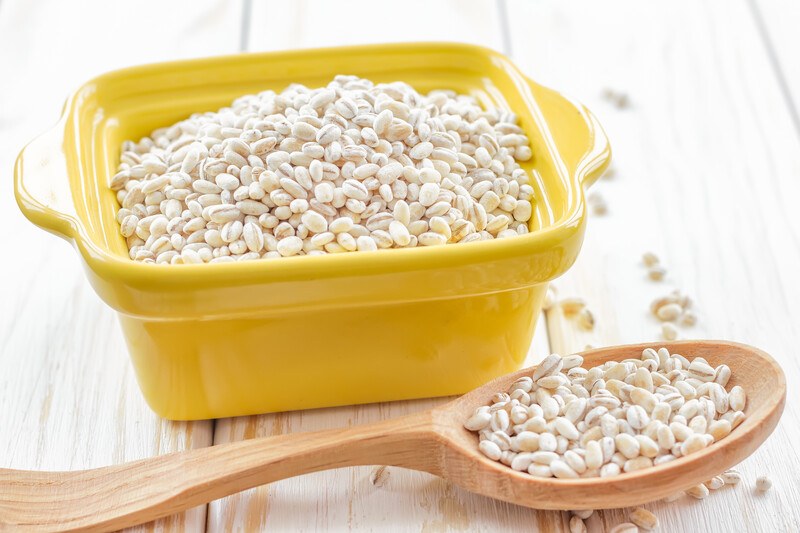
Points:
775	63
213	437
505	27
244	29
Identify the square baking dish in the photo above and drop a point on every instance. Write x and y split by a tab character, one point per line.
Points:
233	339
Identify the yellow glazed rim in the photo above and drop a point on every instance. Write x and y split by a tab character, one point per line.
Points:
49	175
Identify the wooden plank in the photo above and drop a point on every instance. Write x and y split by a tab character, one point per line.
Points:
67	390
706	161
349	498
362	498
777	22
278	25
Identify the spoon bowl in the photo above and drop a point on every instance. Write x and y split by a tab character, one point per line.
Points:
757	372
434	441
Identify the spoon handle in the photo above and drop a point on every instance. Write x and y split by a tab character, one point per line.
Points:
120	496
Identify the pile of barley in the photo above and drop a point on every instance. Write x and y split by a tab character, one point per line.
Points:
567	422
353	166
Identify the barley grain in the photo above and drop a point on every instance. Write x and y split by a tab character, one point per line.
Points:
650	259
490	449
379	476
737	398
698	492
586	319
643	518
625	527
576	525
669	332
656	273
572	306
669	312
731	477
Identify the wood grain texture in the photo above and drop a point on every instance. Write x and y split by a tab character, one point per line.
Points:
706	175
777	22
706	160
433	441
316	23
68	396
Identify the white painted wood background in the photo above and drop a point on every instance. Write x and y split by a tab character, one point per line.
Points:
707	173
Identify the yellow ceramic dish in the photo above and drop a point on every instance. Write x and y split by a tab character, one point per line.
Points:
241	338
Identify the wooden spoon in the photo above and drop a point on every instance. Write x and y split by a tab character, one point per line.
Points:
434	441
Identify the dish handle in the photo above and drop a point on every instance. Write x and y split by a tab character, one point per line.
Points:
597	157
581	141
42	185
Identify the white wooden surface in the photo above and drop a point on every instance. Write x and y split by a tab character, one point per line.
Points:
68	396
706	169
707	165
777	22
